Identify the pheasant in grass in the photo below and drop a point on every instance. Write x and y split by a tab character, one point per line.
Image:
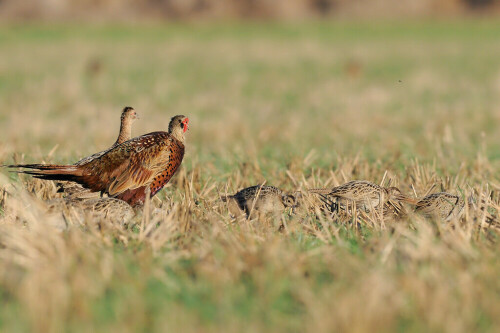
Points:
447	207
363	194
129	115
441	205
128	171
264	199
111	209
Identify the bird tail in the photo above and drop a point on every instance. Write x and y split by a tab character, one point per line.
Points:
407	199
322	191
51	171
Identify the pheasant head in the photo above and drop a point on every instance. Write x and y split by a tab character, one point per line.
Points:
288	200
129	114
178	126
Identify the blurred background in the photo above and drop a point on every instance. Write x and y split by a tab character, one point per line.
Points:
237	9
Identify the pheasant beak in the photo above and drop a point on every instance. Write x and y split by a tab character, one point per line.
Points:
185	122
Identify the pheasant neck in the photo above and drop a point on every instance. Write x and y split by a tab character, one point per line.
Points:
125	131
178	134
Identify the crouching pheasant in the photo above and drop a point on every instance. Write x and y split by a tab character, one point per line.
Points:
261	198
364	195
442	205
128	171
447	207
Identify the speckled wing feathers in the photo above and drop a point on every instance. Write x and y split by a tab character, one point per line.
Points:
251	192
353	190
138	162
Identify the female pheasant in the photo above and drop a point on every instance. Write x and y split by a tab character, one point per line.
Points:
363	194
128	171
441	205
262	198
129	115
111	209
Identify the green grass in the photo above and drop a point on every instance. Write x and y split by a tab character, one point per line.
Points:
297	105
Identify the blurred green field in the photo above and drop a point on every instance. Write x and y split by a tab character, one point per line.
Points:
298	106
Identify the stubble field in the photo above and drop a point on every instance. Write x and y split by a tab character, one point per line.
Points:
415	105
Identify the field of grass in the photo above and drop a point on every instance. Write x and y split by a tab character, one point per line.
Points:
297	106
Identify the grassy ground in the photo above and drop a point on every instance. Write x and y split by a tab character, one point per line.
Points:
298	106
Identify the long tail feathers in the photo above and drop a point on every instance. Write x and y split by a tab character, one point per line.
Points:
50	171
39	166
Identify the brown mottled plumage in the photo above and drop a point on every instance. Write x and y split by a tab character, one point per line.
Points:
129	115
441	205
264	199
363	194
109	207
127	170
112	209
447	207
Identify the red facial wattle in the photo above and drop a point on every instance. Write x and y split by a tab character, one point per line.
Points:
185	122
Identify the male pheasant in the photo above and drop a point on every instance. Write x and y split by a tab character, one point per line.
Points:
128	171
